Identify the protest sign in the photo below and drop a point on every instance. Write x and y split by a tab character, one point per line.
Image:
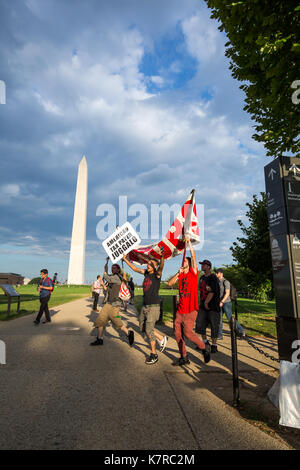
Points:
121	242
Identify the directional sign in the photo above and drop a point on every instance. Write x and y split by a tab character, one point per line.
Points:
292	192
293	168
282	276
282	177
274	190
272	174
290	168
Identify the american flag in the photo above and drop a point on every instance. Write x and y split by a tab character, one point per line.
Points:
185	224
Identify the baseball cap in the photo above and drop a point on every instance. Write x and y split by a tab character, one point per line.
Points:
205	261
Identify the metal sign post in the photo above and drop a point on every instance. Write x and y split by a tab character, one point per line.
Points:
234	356
282	177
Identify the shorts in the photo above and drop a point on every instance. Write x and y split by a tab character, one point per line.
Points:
148	317
205	318
107	313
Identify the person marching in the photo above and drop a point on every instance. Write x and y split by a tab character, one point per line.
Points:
151	308
209	310
111	310
187	310
45	289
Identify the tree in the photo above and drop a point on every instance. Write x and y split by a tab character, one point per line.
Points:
35	280
237	275
264	53
252	251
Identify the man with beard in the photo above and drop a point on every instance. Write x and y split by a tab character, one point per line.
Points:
111	309
187	310
151	307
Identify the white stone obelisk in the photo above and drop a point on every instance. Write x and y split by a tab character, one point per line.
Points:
78	242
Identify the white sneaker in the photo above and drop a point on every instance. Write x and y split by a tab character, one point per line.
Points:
163	343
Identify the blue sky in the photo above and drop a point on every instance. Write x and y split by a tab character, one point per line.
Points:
143	90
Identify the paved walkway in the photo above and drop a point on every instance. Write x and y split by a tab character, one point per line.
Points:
57	392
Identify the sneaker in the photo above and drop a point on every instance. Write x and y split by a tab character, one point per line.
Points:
152	359
36	322
182	361
46	321
130	337
213	348
163	343
206	355
98	342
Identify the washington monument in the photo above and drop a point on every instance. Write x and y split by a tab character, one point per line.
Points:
77	252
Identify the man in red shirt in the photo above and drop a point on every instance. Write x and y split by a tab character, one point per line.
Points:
187	310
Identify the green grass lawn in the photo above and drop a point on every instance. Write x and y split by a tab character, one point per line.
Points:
30	299
257	318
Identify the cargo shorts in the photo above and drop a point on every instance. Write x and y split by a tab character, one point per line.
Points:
148	317
107	313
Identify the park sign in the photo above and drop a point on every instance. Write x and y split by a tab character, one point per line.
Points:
10	292
282	178
121	242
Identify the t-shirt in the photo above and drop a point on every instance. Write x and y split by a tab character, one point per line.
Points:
47	282
188	292
114	282
224	285
208	284
151	287
97	286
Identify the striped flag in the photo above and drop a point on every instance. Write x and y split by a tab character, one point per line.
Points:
185	224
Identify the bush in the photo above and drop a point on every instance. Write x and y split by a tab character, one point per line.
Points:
35	281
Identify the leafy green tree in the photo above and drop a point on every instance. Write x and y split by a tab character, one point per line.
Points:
238	276
264	53
252	250
35	280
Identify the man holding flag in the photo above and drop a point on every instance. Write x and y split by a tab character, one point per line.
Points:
184	227
187	310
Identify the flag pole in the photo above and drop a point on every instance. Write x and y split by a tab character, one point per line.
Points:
184	252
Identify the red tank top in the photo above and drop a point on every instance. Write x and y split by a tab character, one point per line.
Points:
188	292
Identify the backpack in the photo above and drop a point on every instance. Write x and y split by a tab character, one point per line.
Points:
52	288
233	292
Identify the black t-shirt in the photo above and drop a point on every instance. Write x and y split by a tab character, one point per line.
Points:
208	284
151	287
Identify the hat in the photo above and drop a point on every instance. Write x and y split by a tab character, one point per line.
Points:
205	261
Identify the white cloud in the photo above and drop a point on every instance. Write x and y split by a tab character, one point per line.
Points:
202	37
11	190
